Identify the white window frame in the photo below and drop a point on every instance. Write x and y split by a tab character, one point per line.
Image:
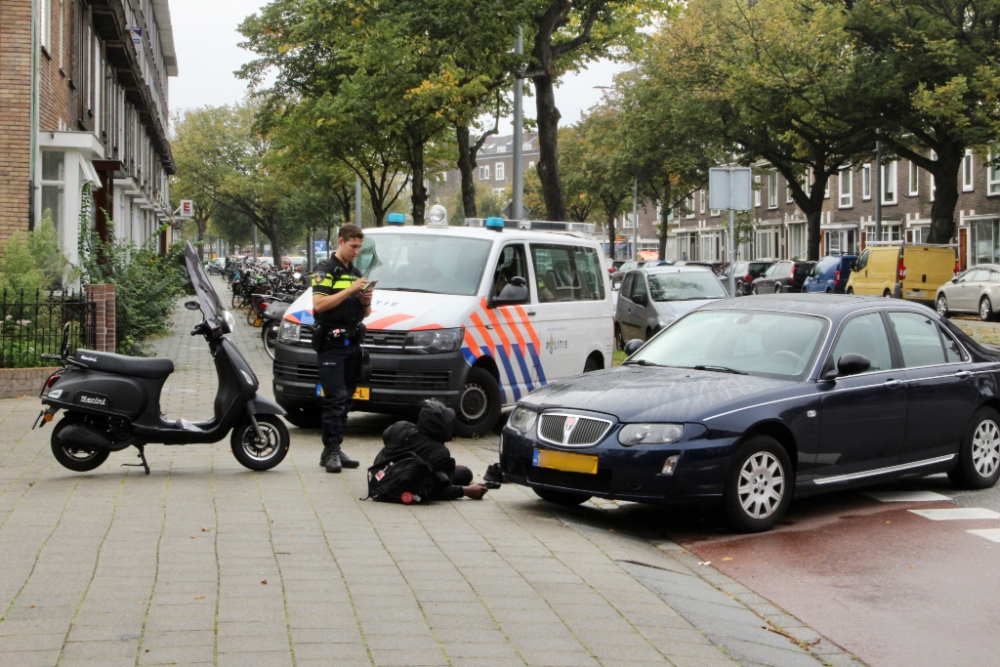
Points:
968	169
846	196
701	201
890	170
756	191
913	180
499	192
789	198
531	164
992	176
499	171
484	172
826	189
931	177
715	213
772	190
689	205
45	25
866	182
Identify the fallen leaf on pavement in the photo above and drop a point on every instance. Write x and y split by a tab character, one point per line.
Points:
32	607
726	559
199	597
206	530
264	583
705	562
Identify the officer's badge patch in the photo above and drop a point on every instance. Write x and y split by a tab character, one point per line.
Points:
319	277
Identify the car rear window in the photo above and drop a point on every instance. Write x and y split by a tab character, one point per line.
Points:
757	270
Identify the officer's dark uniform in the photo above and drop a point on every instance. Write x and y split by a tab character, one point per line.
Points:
339	351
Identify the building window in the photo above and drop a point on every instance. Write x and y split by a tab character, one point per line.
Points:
889	233
45	25
889	185
826	189
499	171
772	190
62	33
756	190
53	188
715	213
914	180
484	173
866	182
931	176
499	192
701	201
993	174
531	165
968	165
846	188
788	192
797	241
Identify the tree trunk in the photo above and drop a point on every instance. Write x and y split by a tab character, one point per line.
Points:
419	196
548	146
202	223
664	218
945	194
466	168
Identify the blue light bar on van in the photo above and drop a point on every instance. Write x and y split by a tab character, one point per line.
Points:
396	219
496	224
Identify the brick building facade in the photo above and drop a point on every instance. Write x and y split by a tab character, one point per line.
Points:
97	85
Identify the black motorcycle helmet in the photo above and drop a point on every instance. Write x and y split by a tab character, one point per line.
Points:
437	421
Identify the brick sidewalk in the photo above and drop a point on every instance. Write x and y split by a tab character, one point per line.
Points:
204	562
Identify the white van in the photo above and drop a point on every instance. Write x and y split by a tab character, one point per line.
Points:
476	318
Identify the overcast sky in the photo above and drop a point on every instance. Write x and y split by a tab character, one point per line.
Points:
207	55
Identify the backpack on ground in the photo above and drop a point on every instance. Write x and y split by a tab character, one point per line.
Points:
407	474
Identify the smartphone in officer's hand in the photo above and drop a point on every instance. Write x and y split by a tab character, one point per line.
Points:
370	286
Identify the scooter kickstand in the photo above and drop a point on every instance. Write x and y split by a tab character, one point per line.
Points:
142	456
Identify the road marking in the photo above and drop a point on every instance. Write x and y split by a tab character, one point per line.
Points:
906	496
992	534
961	513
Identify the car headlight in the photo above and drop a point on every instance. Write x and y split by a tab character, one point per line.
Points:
522	420
288	332
650	434
434	341
667	320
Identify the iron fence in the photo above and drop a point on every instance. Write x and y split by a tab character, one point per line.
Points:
32	325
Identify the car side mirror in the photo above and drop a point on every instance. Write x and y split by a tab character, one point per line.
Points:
192	305
633	345
639	299
955	279
849	364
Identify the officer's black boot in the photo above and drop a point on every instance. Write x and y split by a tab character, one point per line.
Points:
347	462
325	455
333	461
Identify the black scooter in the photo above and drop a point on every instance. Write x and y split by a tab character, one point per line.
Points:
112	402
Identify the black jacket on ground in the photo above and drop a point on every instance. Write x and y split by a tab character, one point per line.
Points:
426	439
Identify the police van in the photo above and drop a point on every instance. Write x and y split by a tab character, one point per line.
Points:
474	316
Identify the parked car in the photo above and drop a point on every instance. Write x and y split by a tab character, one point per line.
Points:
653	298
745	273
783	276
830	274
903	271
975	291
730	407
618	276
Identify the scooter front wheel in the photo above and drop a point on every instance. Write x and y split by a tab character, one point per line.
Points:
73	458
266	452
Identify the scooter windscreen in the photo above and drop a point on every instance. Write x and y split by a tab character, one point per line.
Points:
211	305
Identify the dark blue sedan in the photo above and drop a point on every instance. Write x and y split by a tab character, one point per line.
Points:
750	403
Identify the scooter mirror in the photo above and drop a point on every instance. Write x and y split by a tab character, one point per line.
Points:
192	305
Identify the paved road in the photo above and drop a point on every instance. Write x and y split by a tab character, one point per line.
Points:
203	562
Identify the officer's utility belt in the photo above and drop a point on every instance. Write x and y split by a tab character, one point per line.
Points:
324	336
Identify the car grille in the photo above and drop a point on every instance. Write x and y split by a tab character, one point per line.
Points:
286	370
414	380
581	432
383	340
599	483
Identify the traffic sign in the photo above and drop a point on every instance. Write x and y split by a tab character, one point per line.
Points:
319	246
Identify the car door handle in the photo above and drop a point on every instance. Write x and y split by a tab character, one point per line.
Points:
892	384
963	375
531	313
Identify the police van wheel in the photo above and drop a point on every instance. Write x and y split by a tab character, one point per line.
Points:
478	404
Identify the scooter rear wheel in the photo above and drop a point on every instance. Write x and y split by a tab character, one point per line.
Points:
75	458
265	454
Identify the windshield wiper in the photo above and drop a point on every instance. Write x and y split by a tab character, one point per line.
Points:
719	369
640	362
410	289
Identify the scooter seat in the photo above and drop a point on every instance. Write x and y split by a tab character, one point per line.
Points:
121	365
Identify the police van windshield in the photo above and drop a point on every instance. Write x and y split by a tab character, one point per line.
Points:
432	263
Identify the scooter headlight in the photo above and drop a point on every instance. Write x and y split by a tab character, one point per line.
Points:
228	322
289	332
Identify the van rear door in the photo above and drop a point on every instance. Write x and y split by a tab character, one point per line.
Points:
927	268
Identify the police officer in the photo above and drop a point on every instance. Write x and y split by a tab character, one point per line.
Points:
340	304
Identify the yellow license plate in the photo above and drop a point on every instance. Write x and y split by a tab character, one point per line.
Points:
362	394
546	458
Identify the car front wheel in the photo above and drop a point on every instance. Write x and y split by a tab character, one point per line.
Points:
942	305
758	486
979	454
753	289
985	309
